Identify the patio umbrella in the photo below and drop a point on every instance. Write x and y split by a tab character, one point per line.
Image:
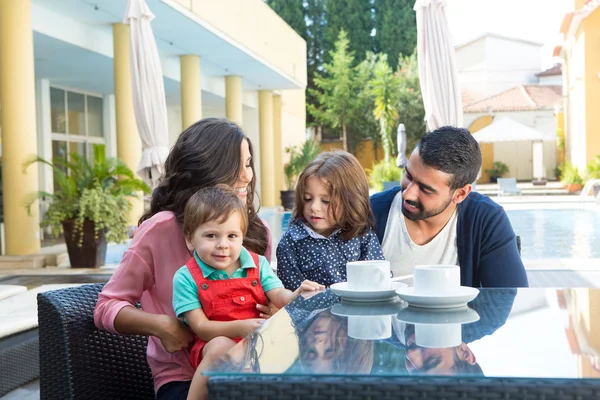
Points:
149	102
401	161
437	66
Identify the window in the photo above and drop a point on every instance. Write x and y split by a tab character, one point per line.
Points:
77	123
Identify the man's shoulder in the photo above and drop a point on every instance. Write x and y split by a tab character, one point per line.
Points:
477	207
383	200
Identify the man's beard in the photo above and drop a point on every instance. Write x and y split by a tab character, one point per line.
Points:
422	213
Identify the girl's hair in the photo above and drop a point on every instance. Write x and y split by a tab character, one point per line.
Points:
206	154
210	204
349	202
349	355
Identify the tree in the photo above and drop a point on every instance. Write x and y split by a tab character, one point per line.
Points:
356	18
292	12
315	33
385	91
410	101
396	28
334	90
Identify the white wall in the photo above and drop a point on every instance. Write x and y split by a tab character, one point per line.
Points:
492	65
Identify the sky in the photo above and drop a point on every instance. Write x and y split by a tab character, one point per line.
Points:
534	20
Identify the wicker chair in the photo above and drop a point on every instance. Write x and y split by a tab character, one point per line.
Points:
78	361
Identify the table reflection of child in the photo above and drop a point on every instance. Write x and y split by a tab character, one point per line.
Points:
323	341
325	347
243	357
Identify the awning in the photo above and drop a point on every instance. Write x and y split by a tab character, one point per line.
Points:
505	129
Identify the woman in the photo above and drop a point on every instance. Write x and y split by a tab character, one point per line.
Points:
210	152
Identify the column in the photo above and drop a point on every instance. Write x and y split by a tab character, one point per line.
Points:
191	92
19	137
233	99
129	144
265	126
277	147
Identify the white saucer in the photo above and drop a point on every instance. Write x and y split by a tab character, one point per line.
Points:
341	289
463	315
352	309
459	299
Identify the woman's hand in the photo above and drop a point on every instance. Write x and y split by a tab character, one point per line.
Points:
173	334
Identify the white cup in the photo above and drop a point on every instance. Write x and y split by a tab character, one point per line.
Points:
368	275
370	327
436	279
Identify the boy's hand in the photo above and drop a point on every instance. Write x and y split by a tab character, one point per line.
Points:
247	326
308	286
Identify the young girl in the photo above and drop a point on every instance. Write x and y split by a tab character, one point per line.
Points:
332	223
217	291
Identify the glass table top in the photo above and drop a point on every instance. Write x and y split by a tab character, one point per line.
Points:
514	333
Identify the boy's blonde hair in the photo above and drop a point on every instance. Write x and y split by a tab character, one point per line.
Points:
349	202
210	204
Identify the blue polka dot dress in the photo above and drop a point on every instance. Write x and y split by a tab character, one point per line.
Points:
304	254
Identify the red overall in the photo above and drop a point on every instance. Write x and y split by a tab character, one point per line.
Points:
226	300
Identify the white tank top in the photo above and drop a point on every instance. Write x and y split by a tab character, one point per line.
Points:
403	254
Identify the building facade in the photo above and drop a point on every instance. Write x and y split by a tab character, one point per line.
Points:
65	85
580	55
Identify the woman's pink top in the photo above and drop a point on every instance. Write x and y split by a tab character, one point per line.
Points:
146	272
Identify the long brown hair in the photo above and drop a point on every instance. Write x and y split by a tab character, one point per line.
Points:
206	154
348	190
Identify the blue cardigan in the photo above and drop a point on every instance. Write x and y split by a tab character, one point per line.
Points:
487	245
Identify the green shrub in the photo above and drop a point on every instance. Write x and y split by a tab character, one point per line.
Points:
498	169
300	157
570	174
593	168
384	172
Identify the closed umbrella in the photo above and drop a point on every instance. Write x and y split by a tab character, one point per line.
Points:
401	161
149	102
437	66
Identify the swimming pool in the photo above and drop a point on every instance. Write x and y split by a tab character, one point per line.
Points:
557	233
545	233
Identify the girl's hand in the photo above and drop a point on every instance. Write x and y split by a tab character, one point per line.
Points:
308	286
173	334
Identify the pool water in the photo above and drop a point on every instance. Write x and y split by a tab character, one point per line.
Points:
545	233
563	233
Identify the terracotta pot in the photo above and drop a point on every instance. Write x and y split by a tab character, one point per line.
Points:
574	187
92	252
288	199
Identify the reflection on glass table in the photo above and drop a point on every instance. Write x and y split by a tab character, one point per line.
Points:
547	335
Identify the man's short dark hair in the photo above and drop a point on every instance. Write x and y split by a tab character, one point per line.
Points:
453	151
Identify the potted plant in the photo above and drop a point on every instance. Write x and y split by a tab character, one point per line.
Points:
593	172
498	169
89	205
571	178
384	173
300	157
